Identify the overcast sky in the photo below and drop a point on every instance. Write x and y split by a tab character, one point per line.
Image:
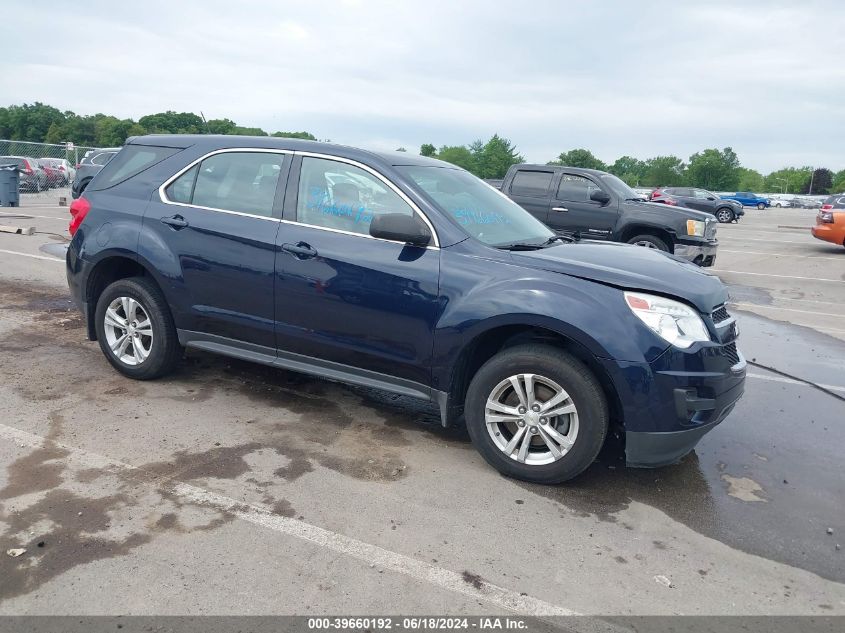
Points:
643	79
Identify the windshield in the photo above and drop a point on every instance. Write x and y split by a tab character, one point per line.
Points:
482	211
619	187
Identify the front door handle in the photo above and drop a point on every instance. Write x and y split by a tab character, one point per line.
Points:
300	250
176	221
560	209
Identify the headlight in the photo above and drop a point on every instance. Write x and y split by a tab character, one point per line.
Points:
695	228
673	321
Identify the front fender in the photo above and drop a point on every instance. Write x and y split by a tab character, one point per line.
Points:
591	314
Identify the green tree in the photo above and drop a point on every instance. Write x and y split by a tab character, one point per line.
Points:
750	180
629	169
494	158
458	155
579	158
171	122
427	149
664	171
220	126
714	169
838	185
821	181
787	179
303	135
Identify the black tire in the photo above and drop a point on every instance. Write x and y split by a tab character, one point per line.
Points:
83	185
649	241
165	350
761	206
568	372
725	215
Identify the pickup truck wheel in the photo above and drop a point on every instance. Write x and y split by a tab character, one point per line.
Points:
135	329
536	413
649	241
724	215
761	206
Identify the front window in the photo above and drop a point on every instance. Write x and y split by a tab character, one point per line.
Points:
480	210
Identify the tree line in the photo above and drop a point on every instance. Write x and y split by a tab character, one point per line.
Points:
42	123
714	169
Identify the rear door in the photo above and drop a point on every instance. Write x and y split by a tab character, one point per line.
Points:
531	189
218	218
572	209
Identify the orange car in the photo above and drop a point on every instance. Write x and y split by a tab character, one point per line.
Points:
830	222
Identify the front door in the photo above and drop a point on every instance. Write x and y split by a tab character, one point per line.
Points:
572	209
216	234
342	296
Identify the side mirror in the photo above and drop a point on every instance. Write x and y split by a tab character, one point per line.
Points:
710	198
599	196
400	228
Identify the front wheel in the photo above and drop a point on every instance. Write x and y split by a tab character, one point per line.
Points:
724	215
536	413
649	241
135	329
761	206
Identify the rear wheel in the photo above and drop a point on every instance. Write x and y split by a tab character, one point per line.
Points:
135	329
724	215
761	206
536	413
649	241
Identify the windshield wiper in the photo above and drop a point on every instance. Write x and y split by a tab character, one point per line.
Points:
569	238
533	246
520	246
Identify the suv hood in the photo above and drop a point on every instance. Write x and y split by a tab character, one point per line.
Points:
631	268
691	214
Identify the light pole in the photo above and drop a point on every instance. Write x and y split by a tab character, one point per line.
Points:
812	175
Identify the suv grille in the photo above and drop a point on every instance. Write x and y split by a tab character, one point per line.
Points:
732	353
720	314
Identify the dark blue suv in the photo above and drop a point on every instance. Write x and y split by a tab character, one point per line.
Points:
406	274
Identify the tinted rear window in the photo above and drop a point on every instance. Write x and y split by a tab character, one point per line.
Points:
130	161
531	183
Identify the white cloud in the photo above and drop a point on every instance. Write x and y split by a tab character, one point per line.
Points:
766	78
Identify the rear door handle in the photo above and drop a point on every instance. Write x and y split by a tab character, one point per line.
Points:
563	209
176	221
300	250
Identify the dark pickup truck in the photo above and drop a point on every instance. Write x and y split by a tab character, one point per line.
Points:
598	205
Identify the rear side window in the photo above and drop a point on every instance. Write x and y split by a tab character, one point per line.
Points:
534	184
130	161
102	158
233	181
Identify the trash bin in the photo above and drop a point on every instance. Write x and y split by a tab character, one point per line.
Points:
9	186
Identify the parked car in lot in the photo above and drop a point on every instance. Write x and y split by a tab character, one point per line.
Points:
780	203
32	177
52	175
64	170
598	205
830	221
90	166
807	203
748	199
725	211
406	274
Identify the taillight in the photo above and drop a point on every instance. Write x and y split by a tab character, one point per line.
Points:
826	217
826	206
655	194
78	210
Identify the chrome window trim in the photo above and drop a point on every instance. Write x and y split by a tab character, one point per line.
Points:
382	178
228	150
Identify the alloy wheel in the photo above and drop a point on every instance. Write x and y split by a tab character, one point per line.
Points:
531	419
129	332
646	244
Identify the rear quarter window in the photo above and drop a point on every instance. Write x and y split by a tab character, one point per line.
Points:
129	162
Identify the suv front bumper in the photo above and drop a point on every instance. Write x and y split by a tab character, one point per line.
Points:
668	405
701	253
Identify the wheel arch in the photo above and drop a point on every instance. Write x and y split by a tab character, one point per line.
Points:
489	342
106	271
664	234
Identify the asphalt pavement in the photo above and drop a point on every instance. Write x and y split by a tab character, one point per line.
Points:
231	488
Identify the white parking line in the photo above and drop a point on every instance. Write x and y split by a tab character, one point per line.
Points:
29	215
768	307
49	259
744	272
790	381
751	239
789	255
259	514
